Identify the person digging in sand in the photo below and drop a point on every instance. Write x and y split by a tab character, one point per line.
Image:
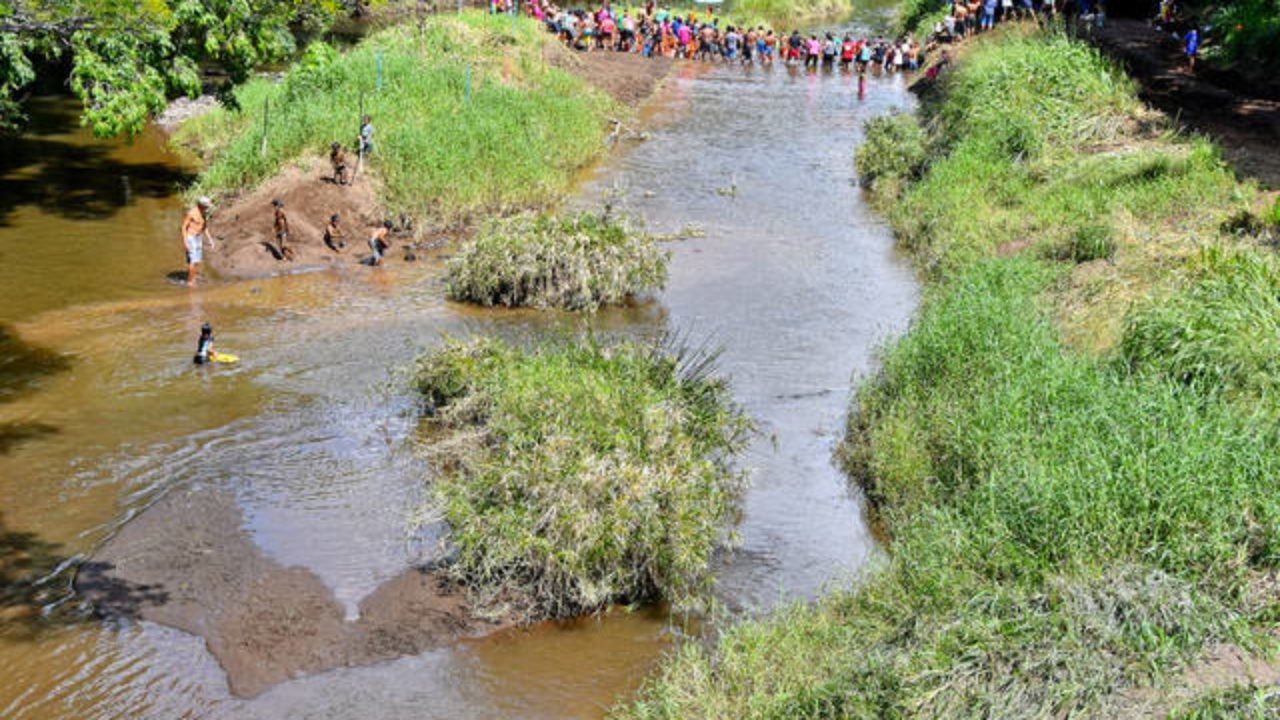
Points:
194	224
338	159
281	229
334	234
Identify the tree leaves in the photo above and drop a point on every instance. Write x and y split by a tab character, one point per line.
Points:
130	56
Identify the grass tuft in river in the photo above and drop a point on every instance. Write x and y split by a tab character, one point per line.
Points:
577	472
574	263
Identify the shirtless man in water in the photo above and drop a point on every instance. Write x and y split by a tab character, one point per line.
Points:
193	228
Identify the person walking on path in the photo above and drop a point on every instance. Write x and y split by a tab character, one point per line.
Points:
1192	48
194	224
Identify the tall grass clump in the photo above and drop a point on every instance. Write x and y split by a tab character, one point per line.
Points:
892	151
1221	330
575	263
1064	527
441	152
576	472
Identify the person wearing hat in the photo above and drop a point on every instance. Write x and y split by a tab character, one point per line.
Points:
193	230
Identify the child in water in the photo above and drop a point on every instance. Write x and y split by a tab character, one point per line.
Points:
204	346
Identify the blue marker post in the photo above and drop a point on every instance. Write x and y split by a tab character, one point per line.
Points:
379	71
515	13
468	84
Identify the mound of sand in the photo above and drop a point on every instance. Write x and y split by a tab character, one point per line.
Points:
243	230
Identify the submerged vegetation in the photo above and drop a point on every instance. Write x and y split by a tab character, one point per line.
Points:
1070	450
576	472
453	139
575	263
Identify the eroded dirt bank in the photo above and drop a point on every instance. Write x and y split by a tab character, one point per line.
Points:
188	562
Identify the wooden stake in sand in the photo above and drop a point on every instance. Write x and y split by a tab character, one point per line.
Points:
265	105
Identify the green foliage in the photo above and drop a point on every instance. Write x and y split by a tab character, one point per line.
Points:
128	58
1240	702
575	263
515	146
785	11
917	16
1248	31
894	147
1090	241
1018	125
577	473
1220	330
1063	529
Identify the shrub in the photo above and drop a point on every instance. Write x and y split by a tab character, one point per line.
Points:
1090	241
576	263
577	473
894	147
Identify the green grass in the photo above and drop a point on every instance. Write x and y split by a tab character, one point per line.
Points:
892	152
1064	526
1241	702
574	263
576	472
437	158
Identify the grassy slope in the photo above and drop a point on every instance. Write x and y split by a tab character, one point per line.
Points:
1069	520
517	145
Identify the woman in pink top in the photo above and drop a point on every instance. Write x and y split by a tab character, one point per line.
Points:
813	49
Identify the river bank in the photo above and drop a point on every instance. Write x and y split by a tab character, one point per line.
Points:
440	92
1071	450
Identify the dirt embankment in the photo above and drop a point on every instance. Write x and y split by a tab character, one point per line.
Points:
1243	116
243	226
188	562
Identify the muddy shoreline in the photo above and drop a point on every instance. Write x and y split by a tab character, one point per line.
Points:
189	563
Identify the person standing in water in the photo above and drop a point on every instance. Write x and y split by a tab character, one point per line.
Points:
194	224
204	346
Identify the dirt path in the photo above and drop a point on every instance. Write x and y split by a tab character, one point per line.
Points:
188	562
1242	116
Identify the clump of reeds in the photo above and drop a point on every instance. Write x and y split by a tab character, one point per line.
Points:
893	150
574	263
577	472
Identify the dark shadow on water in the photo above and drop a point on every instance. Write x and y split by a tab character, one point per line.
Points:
13	434
36	589
23	365
78	182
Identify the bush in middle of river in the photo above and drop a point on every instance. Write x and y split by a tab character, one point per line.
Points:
574	263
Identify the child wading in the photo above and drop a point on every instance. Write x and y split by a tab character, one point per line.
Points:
204	346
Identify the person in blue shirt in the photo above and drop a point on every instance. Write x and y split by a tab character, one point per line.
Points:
1193	47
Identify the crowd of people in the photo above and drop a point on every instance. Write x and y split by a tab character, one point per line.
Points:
654	32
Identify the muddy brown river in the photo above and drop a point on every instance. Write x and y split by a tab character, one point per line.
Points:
102	413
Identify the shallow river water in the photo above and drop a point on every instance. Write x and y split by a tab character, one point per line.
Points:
101	411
